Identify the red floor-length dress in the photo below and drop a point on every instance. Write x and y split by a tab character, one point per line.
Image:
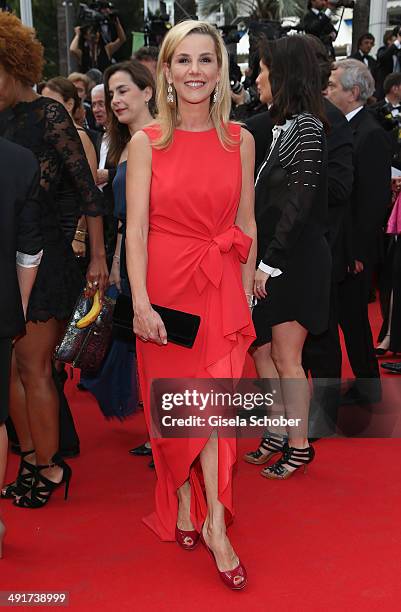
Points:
194	265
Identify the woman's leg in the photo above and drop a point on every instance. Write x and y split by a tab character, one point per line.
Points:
34	361
287	344
385	343
266	369
214	530
18	409
264	364
184	507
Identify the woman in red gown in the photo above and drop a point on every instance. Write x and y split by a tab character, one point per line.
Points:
191	246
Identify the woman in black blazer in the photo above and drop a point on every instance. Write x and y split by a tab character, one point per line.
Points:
20	233
292	282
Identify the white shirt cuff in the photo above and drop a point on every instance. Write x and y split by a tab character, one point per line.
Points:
397	44
269	270
29	261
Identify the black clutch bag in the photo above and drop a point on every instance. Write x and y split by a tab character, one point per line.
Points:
86	348
181	327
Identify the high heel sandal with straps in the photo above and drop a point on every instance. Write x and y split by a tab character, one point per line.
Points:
272	446
292	457
43	488
23	482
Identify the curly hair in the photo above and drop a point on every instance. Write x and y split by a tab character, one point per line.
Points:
21	54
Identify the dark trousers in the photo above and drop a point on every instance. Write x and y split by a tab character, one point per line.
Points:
321	358
5	368
354	322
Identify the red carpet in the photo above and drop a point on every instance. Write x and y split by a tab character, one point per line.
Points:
330	540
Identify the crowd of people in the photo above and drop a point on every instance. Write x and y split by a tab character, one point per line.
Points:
138	179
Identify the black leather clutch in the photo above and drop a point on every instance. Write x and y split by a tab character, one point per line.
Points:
181	327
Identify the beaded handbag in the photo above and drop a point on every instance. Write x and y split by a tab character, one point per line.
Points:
86	348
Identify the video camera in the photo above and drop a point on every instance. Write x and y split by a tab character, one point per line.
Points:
156	27
343	3
91	15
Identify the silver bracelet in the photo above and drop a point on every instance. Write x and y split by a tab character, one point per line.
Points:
252	300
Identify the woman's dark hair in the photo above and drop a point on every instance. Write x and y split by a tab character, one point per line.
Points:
295	78
119	134
66	89
388	35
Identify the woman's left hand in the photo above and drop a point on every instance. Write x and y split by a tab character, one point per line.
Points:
259	285
97	276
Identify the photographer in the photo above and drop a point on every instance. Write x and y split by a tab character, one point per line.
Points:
317	22
89	47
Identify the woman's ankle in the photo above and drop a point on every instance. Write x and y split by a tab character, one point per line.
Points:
214	529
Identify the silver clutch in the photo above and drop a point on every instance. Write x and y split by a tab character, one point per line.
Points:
86	348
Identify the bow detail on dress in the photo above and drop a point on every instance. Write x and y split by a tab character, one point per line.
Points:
210	266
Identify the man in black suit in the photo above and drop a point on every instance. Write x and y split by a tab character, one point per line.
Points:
260	126
365	44
388	60
20	236
388	113
322	354
317	21
351	84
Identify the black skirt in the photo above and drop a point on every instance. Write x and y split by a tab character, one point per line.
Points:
301	293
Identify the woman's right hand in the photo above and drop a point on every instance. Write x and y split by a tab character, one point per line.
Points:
148	325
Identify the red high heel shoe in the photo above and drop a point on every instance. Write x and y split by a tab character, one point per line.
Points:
235	579
188	540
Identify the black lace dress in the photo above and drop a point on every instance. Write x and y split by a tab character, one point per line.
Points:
44	127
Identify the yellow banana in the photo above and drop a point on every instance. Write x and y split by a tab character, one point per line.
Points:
93	314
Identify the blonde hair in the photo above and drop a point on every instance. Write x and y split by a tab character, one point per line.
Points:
168	116
79	76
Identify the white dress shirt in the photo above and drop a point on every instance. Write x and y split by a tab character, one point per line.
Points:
352	113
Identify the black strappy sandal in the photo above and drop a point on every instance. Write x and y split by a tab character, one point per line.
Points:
271	446
23	483
292	457
43	488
